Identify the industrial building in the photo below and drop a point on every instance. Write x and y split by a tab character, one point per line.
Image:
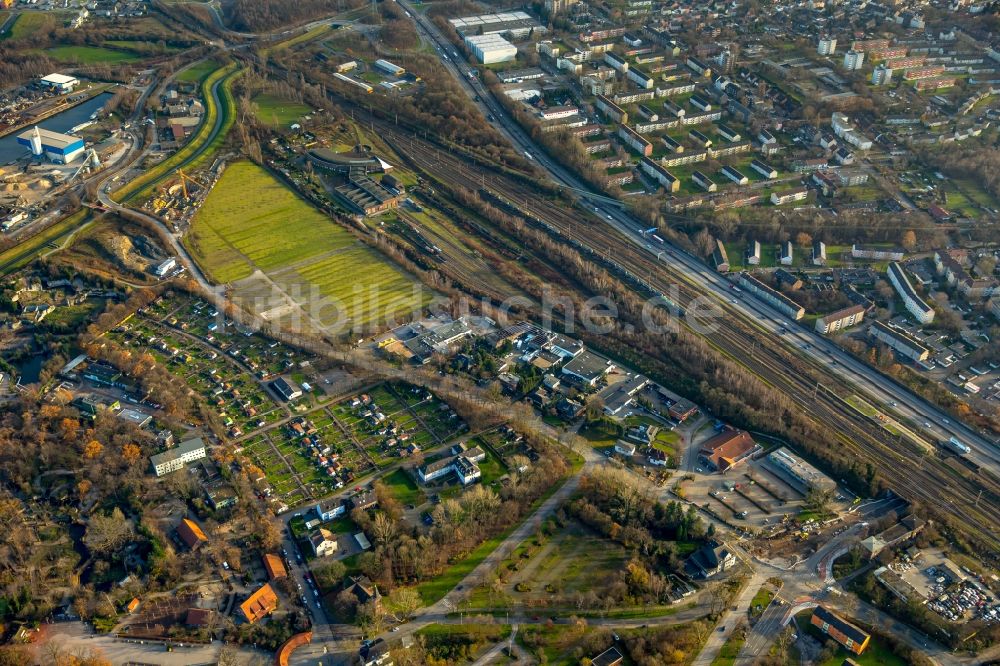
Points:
517	25
841	319
389	68
915	305
772	297
899	341
490	49
799	471
60	82
174	459
56	147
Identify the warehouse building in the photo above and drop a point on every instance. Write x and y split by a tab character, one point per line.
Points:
915	305
517	25
800	472
56	147
174	459
899	341
772	297
841	319
60	82
491	48
389	68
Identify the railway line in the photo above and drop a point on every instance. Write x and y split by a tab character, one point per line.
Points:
972	500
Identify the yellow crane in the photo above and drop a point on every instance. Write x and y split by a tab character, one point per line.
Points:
185	179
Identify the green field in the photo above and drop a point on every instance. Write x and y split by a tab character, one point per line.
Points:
27	251
404	489
198	73
250	221
27	23
278	111
89	55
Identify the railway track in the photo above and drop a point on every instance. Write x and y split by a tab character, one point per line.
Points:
945	489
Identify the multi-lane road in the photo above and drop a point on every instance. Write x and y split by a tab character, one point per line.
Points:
840	366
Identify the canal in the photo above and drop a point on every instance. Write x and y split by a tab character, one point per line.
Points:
10	149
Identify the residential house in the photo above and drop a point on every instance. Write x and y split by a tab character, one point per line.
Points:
728	449
260	604
710	560
323	542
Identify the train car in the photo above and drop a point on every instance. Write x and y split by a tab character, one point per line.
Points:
955	446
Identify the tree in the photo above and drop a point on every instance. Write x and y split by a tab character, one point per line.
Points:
92	449
108	532
818	499
803	240
131	453
404	601
909	240
383	527
329	574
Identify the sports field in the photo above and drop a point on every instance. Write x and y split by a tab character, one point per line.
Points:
276	249
278	111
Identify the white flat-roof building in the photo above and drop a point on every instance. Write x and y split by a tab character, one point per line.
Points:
60	82
489	49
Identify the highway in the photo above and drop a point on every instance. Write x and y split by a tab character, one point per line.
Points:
838	364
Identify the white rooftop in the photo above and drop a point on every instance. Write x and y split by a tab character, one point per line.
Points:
59	79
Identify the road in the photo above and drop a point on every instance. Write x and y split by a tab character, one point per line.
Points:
821	351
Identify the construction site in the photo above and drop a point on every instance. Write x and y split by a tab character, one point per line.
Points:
179	197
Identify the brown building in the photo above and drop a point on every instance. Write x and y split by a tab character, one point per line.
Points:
730	447
275	567
191	534
260	604
851	637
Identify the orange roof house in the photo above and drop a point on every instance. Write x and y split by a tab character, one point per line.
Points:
728	448
191	534
260	604
275	567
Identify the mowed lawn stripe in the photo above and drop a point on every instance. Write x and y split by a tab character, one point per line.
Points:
252	221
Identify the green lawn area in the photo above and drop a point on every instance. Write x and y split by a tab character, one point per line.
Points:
197	73
89	55
599	433
27	23
731	649
278	111
252	221
404	489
